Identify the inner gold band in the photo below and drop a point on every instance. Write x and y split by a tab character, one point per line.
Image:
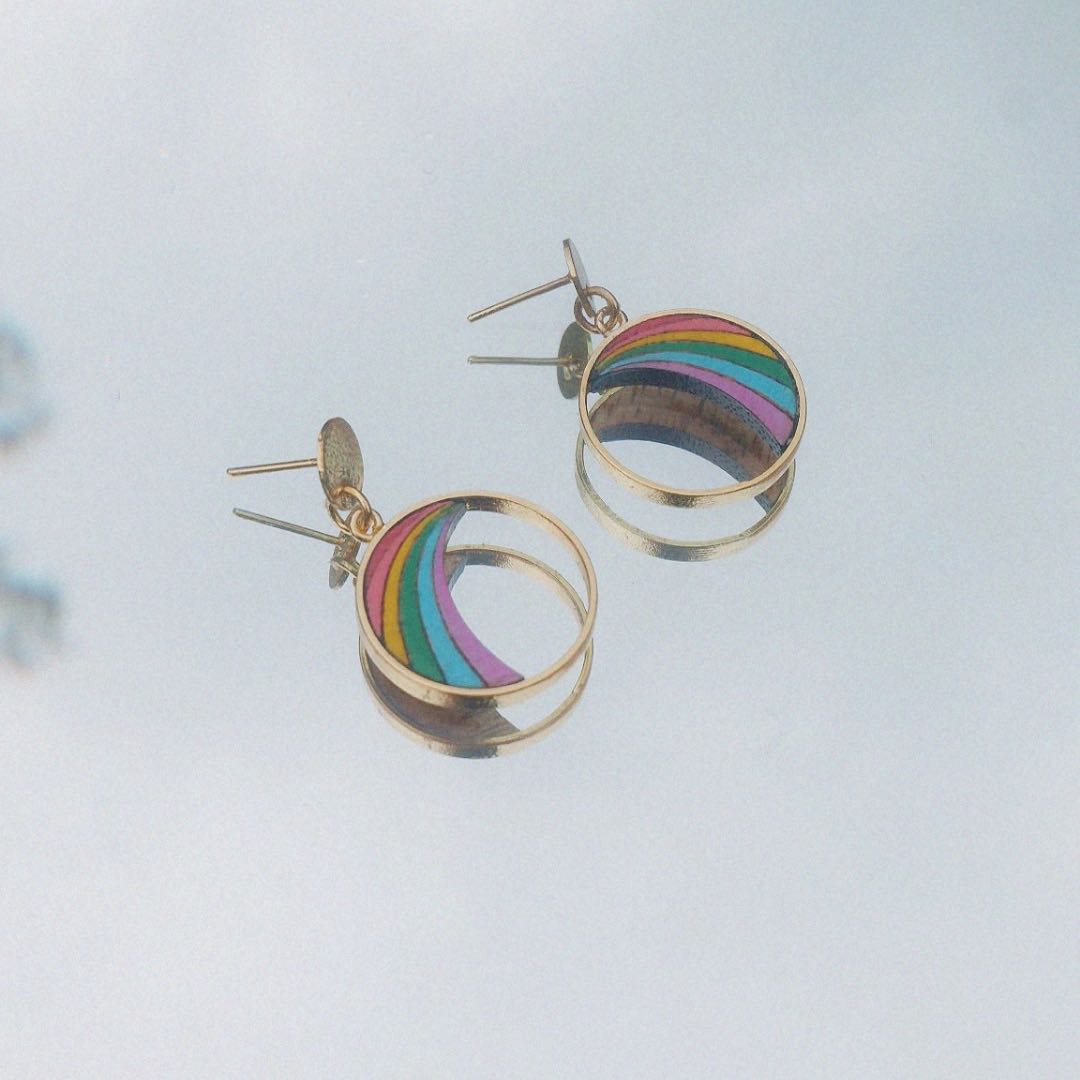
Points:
442	695
686	497
479	730
663	547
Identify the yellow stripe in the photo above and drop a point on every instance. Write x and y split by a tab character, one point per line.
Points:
717	337
392	638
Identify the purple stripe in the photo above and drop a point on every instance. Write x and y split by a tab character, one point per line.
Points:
776	420
485	663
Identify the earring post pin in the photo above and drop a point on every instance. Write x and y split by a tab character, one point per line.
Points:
275	466
548	286
288	526
524	361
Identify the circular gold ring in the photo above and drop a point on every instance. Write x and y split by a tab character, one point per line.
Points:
663	547
364	524
387	609
479	732
684	497
351	512
603	320
347	496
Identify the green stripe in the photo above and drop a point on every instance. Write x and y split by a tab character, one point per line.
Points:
774	369
421	655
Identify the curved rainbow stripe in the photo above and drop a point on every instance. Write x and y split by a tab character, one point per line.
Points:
710	357
406	594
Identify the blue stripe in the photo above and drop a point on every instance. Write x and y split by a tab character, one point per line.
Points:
453	663
688	383
780	395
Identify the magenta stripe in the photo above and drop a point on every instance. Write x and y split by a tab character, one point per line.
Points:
485	663
663	324
378	568
775	419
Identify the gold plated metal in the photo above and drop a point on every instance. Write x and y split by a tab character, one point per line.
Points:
459	715
275	466
340	463
776	480
686	497
361	522
435	693
573	356
343	563
578	358
662	547
524	361
528	294
607	318
588	316
575	344
341	473
287	526
575	275
480	731
338	459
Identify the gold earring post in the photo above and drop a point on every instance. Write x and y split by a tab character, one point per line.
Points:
575	275
288	526
341	473
275	466
549	286
525	361
343	564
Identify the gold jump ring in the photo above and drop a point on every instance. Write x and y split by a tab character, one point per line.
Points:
607	318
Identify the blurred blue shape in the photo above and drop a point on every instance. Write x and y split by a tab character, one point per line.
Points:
30	613
29	608
21	408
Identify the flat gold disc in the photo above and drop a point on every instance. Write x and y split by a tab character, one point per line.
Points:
576	271
340	462
575	345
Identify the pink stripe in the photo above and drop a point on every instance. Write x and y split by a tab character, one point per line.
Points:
775	419
663	324
378	568
488	666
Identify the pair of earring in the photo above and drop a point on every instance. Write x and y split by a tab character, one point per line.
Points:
707	383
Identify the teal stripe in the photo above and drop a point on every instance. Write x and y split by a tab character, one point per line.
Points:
781	396
766	365
422	658
453	663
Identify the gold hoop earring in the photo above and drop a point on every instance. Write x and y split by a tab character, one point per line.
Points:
699	380
427	669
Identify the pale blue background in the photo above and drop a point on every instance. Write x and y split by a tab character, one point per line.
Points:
818	814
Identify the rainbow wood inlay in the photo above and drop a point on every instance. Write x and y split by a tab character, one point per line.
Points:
740	391
406	596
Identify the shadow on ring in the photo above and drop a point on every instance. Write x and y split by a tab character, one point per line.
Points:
479	731
672	418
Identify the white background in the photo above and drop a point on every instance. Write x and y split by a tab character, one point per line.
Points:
817	814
